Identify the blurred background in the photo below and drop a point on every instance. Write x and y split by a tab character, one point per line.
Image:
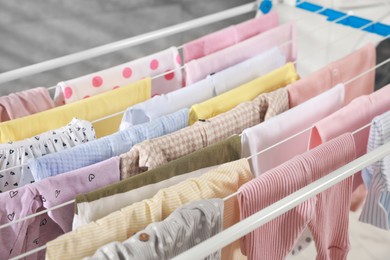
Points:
35	31
39	30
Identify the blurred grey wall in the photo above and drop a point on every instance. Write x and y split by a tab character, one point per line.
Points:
39	30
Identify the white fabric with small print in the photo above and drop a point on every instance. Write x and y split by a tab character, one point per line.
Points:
16	154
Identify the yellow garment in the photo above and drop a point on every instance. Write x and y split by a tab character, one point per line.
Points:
120	225
247	92
89	109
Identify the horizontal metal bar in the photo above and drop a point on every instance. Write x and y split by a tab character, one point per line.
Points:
122	44
262	217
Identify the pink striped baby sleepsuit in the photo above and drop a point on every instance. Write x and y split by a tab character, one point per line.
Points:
326	215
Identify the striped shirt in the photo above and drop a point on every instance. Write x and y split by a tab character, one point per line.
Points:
184	228
376	209
120	225
326	215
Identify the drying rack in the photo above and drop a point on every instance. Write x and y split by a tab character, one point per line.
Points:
247	225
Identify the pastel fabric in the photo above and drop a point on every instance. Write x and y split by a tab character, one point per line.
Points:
326	215
214	84
376	209
17	153
87	212
153	153
340	71
36	232
247	92
24	103
106	147
122	75
282	36
89	109
100	203
118	226
186	227
229	36
355	115
259	137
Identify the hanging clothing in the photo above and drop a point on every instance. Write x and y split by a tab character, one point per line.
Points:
259	137
120	225
376	209
88	109
87	212
25	103
184	228
226	101
153	153
106	147
340	71
282	36
326	214
32	198
97	204
356	114
17	153
122	75
229	36
213	85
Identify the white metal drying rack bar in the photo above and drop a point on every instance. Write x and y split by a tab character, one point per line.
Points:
122	44
260	218
232	195
129	42
73	201
289	42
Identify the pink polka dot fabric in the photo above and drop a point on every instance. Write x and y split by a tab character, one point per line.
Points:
119	76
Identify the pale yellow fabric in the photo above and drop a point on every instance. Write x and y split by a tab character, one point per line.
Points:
89	109
120	225
247	92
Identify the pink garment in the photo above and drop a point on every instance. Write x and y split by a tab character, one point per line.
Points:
326	215
229	36
124	74
283	36
336	72
25	103
358	113
280	127
53	191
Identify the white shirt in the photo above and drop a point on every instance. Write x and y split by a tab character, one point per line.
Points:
198	92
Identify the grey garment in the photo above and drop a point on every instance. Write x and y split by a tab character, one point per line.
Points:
184	228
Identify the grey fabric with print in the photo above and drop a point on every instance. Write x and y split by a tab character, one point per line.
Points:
184	228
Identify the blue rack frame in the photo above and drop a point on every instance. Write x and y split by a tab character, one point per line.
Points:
332	15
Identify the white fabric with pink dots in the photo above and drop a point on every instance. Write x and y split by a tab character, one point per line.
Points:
122	75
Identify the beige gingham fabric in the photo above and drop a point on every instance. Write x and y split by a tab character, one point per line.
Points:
152	153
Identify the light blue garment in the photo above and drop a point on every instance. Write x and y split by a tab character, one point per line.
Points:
376	209
106	147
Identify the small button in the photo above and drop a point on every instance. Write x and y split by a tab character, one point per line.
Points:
143	237
143	169
335	72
